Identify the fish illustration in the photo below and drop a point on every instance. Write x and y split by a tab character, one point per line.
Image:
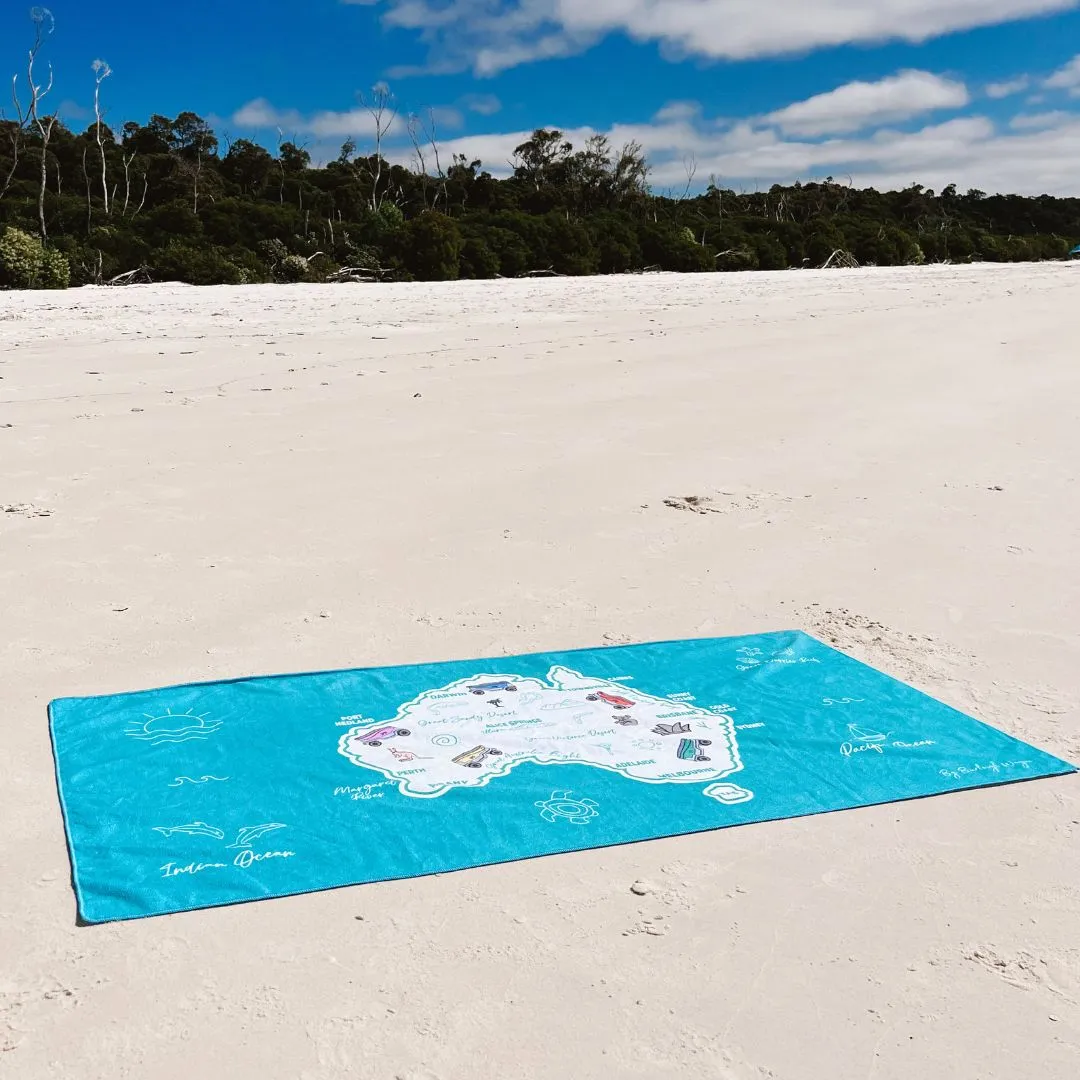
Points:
196	828
249	833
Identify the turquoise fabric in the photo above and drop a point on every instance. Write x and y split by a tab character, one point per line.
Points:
216	793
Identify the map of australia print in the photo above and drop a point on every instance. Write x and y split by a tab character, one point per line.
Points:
475	730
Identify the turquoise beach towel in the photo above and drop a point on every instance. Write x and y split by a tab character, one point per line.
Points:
221	792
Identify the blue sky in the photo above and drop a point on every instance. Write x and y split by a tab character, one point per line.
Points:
985	93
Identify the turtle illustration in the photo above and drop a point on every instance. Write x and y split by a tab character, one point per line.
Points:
562	804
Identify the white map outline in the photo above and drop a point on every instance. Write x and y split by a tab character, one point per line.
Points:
425	715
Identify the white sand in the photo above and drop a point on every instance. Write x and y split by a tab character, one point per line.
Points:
473	468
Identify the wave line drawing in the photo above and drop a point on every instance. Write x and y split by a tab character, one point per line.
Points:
179	781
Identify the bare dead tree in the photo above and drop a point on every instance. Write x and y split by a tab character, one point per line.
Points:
433	139
101	72
381	107
281	167
89	198
15	136
43	26
690	168
414	128
145	189
127	159
195	186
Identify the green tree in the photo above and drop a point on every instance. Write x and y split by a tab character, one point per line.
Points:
160	196
478	260
248	166
432	246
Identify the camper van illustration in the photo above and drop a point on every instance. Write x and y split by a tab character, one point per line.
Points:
613	700
690	749
501	686
474	758
377	736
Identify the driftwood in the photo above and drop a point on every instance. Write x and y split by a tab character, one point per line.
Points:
359	273
840	259
139	276
549	272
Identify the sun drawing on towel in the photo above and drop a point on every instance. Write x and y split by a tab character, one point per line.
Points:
172	727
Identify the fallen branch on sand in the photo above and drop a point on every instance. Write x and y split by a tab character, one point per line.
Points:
840	259
359	273
138	276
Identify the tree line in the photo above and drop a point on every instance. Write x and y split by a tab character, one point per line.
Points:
166	200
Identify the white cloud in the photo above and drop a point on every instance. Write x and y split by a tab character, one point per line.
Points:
678	110
1008	87
496	151
492	35
843	133
970	151
1066	78
261	114
1042	155
357	123
1039	121
513	53
484	104
72	112
859	105
444	116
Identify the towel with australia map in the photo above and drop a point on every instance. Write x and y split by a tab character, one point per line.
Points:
215	793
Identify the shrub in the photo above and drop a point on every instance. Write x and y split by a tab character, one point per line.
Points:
20	259
509	249
291	269
478	260
770	253
825	239
734	259
570	246
249	269
55	270
284	266
669	249
25	264
432	247
391	215
616	243
178	261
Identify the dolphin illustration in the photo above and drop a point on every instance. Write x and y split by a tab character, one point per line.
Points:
196	828
862	736
252	832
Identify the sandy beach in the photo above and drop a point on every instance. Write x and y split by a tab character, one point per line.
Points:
229	481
